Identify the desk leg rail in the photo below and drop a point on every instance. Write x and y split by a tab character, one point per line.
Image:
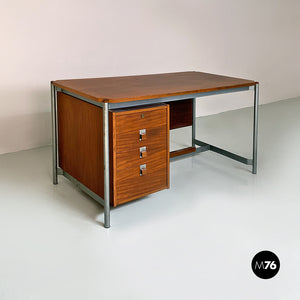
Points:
82	187
226	153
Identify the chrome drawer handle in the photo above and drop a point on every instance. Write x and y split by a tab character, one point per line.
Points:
143	152
142	134
143	169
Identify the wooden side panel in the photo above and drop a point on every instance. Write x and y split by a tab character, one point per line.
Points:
80	139
181	113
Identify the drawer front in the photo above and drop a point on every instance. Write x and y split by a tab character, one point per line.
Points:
155	136
128	163
134	120
131	184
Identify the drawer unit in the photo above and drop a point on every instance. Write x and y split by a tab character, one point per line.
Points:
140	158
139	147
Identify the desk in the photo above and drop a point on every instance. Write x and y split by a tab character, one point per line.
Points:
92	119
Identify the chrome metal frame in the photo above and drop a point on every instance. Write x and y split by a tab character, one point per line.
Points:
54	133
194	122
175	98
255	128
83	187
106	106
106	166
205	147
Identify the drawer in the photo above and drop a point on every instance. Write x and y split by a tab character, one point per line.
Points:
154	136
127	159
136	119
128	163
131	185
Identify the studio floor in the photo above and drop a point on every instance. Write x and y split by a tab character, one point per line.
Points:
193	241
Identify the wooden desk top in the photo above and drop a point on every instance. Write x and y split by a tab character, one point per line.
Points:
141	87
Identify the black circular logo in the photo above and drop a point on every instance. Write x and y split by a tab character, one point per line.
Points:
265	264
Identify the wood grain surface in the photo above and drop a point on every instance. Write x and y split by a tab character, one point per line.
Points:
182	151
80	141
130	139
140	87
138	118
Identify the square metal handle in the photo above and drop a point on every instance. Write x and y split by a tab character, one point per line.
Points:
142	134
143	170
143	152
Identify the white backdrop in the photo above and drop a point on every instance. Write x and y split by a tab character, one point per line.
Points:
48	40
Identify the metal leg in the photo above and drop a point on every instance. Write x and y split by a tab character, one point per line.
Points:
106	166
54	132
194	122
255	128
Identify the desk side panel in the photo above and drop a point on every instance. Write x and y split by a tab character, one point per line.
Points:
80	139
